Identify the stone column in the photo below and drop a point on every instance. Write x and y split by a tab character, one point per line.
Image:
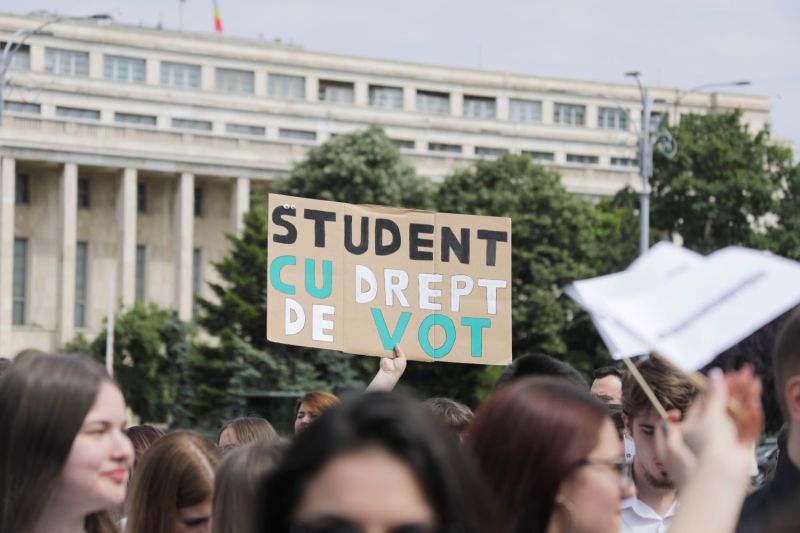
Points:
183	216
456	104
7	199
240	204
67	212
361	94
126	222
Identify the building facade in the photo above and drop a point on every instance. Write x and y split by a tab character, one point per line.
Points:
127	153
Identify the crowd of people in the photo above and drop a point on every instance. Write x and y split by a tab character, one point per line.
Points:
547	452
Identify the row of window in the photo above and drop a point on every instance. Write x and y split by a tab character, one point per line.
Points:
20	279
282	86
22	193
305	135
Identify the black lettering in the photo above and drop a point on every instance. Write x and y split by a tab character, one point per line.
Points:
363	244
415	242
277	218
382	224
459	248
319	218
492	238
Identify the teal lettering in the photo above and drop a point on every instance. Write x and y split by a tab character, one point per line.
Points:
327	279
449	331
275	273
389	341
476	326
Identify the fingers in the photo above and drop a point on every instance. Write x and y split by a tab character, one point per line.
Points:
398	352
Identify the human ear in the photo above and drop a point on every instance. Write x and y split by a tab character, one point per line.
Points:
628	422
791	394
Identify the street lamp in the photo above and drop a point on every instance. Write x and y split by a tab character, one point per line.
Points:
666	144
680	95
17	40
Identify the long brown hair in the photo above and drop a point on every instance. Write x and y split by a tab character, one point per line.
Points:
236	488
250	429
176	471
528	437
44	400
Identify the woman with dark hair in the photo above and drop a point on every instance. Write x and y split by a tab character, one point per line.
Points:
64	454
551	457
244	430
378	462
173	485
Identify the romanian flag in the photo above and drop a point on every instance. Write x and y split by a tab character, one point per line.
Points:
217	18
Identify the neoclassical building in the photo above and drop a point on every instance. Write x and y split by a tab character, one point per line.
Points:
126	153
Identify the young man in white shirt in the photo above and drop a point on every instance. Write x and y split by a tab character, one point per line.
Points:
656	500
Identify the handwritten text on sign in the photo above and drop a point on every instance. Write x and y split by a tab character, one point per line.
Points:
361	279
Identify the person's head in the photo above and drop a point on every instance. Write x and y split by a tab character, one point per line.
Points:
674	391
551	456
238	480
541	366
173	485
607	385
786	366
309	407
378	462
142	437
454	415
4	364
245	430
63	444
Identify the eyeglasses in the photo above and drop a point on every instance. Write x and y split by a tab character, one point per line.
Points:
623	469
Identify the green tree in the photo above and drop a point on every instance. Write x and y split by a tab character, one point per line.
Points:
783	237
147	343
722	182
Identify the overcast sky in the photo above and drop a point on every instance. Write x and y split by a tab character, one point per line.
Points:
674	43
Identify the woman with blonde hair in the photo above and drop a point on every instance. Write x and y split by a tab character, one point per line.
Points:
241	431
173	486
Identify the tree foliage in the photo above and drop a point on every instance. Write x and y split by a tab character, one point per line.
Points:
721	184
148	341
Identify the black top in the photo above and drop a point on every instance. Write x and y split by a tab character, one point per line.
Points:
775	507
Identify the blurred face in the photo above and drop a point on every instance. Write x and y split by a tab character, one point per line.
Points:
305	415
647	469
95	475
368	491
593	492
608	389
227	440
194	519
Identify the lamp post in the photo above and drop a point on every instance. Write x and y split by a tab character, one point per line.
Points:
666	143
17	40
680	95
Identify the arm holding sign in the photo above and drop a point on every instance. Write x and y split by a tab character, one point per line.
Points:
712	451
390	371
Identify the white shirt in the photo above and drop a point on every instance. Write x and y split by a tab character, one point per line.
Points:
638	517
630	449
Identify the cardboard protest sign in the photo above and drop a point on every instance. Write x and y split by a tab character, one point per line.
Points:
361	279
702	308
